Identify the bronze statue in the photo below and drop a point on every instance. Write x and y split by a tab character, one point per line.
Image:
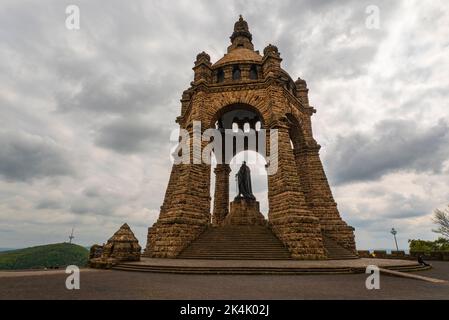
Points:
243	178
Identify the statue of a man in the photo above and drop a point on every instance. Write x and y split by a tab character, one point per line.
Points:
244	183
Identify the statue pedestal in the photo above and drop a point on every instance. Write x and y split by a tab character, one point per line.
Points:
244	212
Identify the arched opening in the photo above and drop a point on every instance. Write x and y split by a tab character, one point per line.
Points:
297	139
241	124
253	73
220	75
242	138
238	112
236	73
259	179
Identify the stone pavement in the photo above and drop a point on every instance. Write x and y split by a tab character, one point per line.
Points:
136	285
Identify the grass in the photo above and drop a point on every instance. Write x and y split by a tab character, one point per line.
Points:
46	256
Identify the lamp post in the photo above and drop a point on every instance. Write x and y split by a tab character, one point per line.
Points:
394	232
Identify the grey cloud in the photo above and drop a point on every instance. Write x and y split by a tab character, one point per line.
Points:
24	157
393	145
102	207
130	135
92	193
322	57
49	204
98	200
110	96
400	206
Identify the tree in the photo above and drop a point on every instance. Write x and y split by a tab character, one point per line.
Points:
441	219
417	245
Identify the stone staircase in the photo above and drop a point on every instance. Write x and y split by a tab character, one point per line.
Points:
237	243
336	252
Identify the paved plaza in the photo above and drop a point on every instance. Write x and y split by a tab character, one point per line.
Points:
102	284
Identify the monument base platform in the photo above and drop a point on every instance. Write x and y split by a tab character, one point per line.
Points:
191	266
245	212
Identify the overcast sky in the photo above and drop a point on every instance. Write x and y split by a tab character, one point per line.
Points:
86	115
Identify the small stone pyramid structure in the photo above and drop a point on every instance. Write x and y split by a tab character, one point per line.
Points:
122	246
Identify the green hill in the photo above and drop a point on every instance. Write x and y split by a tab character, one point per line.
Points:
47	256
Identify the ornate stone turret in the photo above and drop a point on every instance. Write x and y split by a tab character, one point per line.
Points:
202	68
122	246
241	37
302	92
271	61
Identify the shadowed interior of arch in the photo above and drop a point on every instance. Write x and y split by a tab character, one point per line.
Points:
240	125
256	162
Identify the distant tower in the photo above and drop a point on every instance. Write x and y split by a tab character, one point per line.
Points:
71	237
246	88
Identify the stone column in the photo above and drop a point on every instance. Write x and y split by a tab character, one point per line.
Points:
289	215
185	213
245	71
319	196
221	195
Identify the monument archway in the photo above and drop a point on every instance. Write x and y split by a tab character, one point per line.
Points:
241	126
250	92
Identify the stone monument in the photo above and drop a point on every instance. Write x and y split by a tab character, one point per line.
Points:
248	89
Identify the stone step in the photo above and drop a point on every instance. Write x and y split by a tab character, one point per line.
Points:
257	267
336	252
227	251
232	248
232	270
236	243
240	252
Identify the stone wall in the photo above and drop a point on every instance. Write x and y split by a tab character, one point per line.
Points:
382	254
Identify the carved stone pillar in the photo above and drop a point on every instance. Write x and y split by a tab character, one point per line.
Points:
185	213
319	196
290	217
221	195
245	71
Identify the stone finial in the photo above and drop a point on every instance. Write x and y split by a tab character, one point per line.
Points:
301	83
271	50
202	57
241	29
202	68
